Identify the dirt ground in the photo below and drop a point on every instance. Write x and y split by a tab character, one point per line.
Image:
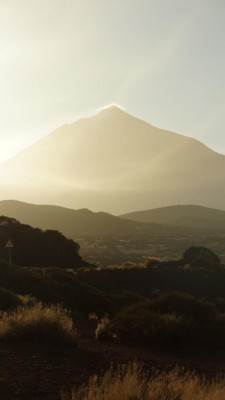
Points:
40	372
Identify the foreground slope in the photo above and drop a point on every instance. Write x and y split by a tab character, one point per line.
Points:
181	215
115	162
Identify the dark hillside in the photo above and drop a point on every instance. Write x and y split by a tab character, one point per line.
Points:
53	286
37	248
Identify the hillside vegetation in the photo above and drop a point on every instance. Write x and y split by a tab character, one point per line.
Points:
141	304
37	248
38	323
174	320
99	316
53	286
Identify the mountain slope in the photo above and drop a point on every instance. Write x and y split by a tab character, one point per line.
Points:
115	162
181	215
69	222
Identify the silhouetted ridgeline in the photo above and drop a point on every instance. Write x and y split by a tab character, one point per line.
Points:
37	248
181	215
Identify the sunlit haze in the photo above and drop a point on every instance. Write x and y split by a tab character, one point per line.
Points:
163	61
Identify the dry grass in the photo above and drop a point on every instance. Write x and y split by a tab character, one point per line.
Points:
130	383
103	330
39	323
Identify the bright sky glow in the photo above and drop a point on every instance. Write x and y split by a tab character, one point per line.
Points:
162	60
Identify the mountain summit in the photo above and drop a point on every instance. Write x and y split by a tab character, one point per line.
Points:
115	162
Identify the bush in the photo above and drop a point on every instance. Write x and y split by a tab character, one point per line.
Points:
183	304
201	257
174	320
56	286
131	383
27	300
103	330
38	323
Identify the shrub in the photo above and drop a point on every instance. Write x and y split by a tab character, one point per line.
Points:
104	329
38	323
56	286
126	298
152	262
183	304
201	257
147	328
171	320
131	383
27	300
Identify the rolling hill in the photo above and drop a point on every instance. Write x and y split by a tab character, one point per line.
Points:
69	222
115	162
106	239
181	215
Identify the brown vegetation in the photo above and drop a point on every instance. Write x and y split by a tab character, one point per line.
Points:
38	323
130	383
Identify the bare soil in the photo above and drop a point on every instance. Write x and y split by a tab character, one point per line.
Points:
40	372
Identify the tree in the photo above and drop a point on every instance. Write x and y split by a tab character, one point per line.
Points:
201	257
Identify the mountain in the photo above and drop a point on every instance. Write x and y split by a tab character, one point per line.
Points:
181	215
69	222
115	162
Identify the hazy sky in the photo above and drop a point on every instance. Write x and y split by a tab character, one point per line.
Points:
162	60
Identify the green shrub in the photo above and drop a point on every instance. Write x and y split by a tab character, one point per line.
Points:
39	323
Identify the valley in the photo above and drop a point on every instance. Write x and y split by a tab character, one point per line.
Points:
110	250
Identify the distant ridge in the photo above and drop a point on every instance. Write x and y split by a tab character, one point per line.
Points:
113	161
69	222
181	215
73	223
